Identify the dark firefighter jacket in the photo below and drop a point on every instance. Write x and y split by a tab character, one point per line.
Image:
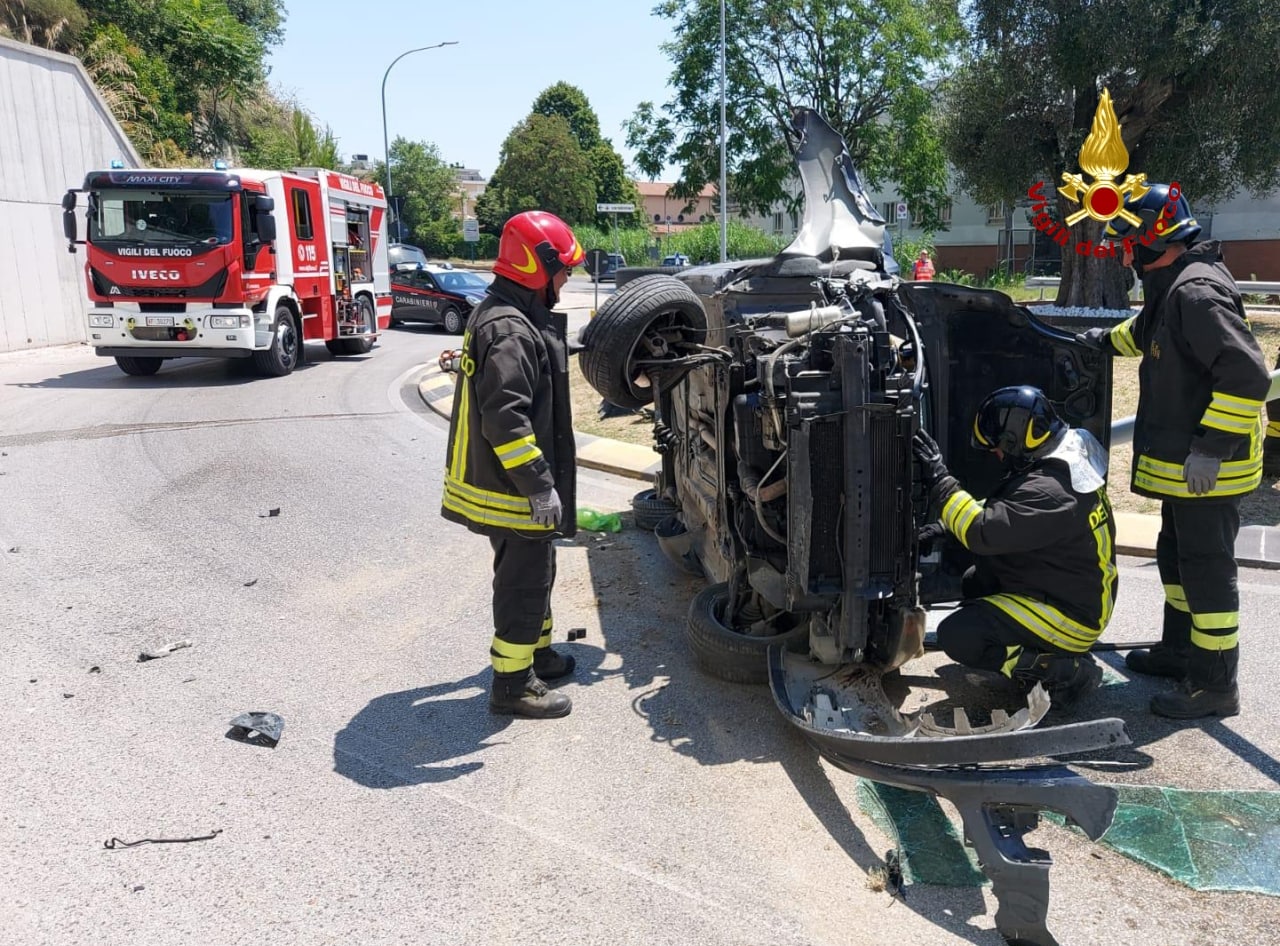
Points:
511	433
1202	380
1048	550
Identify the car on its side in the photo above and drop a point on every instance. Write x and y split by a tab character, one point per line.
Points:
435	295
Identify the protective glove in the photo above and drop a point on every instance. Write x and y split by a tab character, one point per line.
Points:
1201	473
546	508
929	454
1097	339
929	534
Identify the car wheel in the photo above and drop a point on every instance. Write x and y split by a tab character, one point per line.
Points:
452	321
648	509
739	654
362	344
643	321
281	358
138	367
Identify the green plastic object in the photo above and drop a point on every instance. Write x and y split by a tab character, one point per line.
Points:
594	521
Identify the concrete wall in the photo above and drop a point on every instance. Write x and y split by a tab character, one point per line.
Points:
53	128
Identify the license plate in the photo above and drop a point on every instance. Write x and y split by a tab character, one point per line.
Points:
159	319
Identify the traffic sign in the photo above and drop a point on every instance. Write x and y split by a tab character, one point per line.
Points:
901	210
471	230
615	208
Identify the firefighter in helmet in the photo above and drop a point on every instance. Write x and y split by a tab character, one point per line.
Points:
1197	443
510	471
1044	583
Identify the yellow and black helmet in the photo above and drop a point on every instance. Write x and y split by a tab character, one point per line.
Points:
1019	421
1166	219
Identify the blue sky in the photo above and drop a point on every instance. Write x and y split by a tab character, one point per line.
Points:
466	98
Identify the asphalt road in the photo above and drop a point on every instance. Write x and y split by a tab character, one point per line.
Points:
669	808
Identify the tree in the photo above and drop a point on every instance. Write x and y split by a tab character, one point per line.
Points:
52	24
860	63
1193	85
571	104
426	188
541	167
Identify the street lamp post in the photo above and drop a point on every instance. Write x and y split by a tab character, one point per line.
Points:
386	148
724	174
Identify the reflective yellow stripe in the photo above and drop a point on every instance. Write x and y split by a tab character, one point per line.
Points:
1167	488
1012	653
546	624
1273	428
1047	622
1122	338
1176	598
959	513
1106	561
1214	641
1215	620
1235	477
1232	402
507	657
486	497
482	515
1231	423
518	452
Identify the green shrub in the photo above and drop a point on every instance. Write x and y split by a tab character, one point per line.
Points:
956	276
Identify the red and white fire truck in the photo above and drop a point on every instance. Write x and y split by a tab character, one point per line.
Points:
191	263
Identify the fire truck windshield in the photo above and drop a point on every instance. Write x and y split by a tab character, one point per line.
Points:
159	218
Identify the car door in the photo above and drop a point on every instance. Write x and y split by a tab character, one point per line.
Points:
419	304
976	341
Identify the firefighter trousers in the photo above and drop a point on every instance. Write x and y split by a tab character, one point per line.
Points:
524	572
1196	556
1272	441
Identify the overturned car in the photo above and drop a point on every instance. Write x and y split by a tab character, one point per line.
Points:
785	395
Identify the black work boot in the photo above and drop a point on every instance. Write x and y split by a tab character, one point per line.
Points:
550	665
1066	679
1160	661
523	694
1208	690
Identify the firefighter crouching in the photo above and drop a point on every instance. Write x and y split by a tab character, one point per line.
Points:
510	465
1044	584
1197	444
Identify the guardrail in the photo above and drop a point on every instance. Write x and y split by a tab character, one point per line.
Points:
1248	286
1122	430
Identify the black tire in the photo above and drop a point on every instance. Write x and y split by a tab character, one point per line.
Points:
452	320
286	346
363	344
723	652
138	367
648	509
640	321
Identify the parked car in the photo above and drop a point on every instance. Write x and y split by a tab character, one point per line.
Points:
435	295
785	395
400	253
613	262
676	259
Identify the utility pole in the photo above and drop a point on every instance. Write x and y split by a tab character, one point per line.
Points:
724	172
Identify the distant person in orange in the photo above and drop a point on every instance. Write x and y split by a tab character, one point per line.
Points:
922	270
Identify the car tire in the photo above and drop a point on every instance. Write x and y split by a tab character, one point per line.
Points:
648	509
725	653
138	367
639	321
363	344
286	346
452	320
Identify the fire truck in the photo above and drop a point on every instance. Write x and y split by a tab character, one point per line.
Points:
193	264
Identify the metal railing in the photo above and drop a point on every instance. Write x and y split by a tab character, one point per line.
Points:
1122	430
1248	286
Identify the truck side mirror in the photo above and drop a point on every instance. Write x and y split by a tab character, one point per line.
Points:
69	200
263	204
69	219
266	225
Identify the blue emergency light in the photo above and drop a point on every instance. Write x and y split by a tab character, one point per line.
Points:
116	164
219	164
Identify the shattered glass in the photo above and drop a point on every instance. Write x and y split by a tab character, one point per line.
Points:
1219	841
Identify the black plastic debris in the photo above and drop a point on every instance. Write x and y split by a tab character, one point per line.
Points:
257	729
164	651
270	514
577	633
251	583
112	844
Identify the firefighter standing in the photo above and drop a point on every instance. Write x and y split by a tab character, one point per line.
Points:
510	472
922	269
1044	584
1197	444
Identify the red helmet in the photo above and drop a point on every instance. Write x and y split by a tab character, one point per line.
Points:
535	245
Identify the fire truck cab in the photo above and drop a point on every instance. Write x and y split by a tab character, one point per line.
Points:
231	264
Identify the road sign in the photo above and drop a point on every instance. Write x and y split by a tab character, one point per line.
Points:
615	208
901	210
471	230
595	261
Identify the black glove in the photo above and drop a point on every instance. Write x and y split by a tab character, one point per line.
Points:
929	454
1098	339
929	534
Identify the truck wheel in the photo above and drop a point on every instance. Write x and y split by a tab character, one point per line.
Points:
282	357
138	367
732	653
648	509
362	344
642	321
452	321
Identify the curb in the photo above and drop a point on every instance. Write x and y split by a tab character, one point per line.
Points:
1257	546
